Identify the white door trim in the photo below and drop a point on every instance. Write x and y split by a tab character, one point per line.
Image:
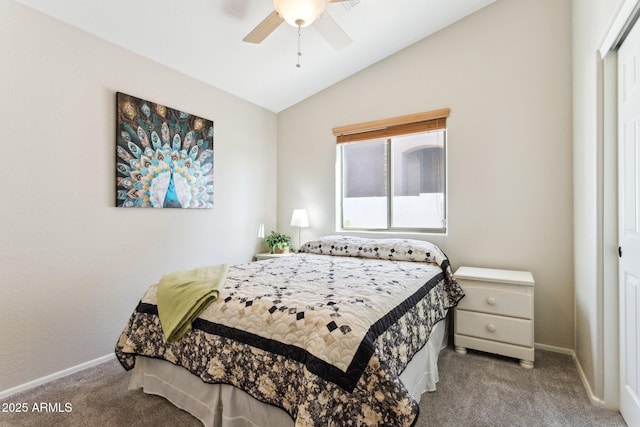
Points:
627	13
608	154
619	27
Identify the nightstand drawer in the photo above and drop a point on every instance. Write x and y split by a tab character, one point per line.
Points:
495	328
480	296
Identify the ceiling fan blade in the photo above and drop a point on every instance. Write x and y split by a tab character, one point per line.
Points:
266	27
331	31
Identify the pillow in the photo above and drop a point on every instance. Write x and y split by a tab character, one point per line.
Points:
391	249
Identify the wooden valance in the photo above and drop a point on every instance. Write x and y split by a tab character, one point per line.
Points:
401	125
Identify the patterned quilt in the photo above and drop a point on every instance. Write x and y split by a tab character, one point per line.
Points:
323	334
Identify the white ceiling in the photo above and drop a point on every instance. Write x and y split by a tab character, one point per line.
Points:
203	39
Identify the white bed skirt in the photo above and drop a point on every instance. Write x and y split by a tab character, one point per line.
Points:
222	405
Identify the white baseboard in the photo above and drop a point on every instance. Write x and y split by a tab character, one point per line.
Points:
595	401
57	375
555	349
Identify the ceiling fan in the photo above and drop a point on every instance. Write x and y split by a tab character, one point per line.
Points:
302	13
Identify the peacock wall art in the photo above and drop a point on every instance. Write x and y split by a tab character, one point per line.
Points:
164	157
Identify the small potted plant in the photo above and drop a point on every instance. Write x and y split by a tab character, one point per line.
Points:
278	243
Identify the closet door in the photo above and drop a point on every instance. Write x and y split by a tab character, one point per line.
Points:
629	224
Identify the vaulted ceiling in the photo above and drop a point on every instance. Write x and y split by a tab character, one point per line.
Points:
203	39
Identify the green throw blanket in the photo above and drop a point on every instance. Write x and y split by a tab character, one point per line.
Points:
183	295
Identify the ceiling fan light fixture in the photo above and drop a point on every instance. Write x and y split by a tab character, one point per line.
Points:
299	13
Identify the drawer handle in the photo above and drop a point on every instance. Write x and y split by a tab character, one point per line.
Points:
491	301
491	327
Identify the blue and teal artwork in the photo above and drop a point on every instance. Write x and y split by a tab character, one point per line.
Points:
164	157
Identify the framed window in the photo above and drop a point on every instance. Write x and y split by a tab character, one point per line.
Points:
392	174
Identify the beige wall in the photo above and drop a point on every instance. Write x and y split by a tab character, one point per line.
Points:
505	72
72	266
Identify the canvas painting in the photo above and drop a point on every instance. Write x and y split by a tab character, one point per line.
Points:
164	157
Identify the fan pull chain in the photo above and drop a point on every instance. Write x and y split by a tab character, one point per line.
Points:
299	46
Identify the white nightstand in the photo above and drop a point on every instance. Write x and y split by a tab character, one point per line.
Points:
496	315
269	256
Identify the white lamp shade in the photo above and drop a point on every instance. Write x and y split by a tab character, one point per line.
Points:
299	218
299	12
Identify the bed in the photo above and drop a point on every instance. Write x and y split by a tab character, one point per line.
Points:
345	332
